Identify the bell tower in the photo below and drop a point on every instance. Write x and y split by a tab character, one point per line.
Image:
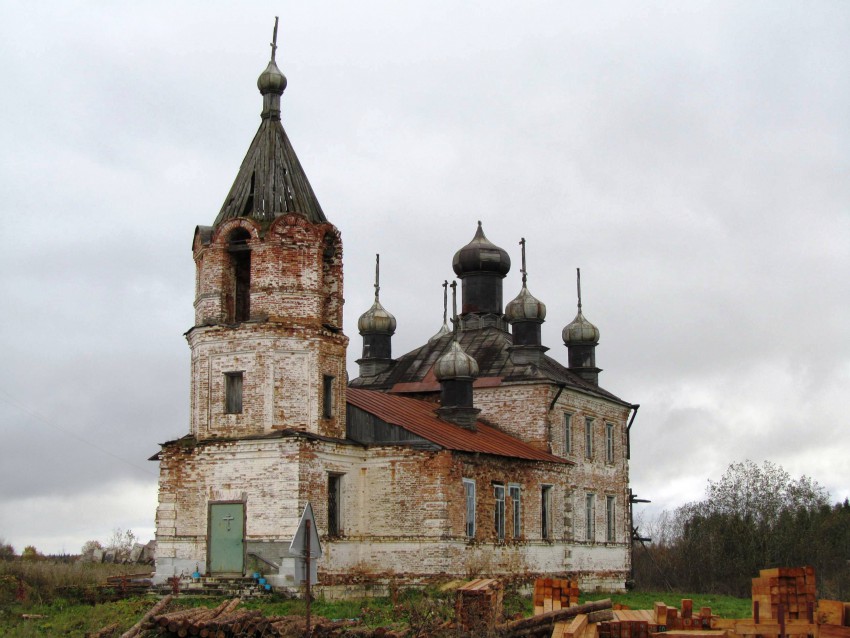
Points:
268	352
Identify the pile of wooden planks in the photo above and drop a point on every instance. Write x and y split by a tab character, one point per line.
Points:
551	594
789	589
479	604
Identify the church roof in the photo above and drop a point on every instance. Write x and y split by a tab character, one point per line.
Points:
420	418
491	348
271	181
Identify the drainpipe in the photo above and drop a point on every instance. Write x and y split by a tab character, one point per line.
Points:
629	431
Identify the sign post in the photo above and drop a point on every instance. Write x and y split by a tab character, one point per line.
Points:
307	546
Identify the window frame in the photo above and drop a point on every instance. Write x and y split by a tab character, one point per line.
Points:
609	442
590	517
469	509
588	437
610	518
515	495
234	385
546	531
568	433
499	510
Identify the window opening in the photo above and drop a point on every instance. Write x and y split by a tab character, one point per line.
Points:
546	511
610	531
328	396
469	494
233	392
240	258
499	514
516	510
590	516
588	437
609	442
568	433
334	501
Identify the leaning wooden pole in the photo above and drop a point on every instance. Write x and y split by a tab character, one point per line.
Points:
135	629
535	624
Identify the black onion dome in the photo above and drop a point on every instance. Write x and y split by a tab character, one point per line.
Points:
580	332
376	320
455	364
481	255
525	307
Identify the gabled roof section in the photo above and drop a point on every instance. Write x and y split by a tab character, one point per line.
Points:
491	349
271	181
420	418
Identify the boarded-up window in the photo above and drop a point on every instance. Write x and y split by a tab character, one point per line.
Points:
233	392
588	437
568	433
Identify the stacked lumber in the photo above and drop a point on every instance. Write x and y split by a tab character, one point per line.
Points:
551	594
479	604
791	588
666	618
543	625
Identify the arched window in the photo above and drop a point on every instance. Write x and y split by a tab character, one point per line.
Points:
240	263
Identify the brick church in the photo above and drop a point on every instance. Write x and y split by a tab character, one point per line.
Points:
474	454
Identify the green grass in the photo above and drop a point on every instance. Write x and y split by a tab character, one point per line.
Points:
421	608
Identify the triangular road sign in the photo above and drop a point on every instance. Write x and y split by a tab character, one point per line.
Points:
298	546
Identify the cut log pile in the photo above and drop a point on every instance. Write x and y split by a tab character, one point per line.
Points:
790	590
478	604
551	594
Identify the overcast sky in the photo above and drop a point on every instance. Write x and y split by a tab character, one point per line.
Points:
692	158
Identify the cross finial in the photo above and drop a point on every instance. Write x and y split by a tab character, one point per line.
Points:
274	39
377	275
578	286
522	270
445	299
454	305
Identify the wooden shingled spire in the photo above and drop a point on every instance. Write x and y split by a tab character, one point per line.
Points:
271	181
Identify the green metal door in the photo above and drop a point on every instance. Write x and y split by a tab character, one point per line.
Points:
227	526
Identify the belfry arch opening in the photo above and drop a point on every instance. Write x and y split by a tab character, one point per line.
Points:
240	264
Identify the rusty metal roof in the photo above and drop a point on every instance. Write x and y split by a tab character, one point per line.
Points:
420	418
490	347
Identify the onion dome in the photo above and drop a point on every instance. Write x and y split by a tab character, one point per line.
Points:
481	255
580	332
442	332
376	320
455	364
271	80
525	307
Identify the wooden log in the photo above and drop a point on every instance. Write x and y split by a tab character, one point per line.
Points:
528	626
101	633
153	611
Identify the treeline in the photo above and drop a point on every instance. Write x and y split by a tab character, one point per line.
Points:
755	517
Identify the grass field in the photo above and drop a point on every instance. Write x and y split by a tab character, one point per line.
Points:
61	617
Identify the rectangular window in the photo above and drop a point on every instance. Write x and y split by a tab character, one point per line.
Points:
334	503
469	493
568	433
499	514
610	533
233	392
327	396
609	442
590	517
546	511
516	510
588	437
